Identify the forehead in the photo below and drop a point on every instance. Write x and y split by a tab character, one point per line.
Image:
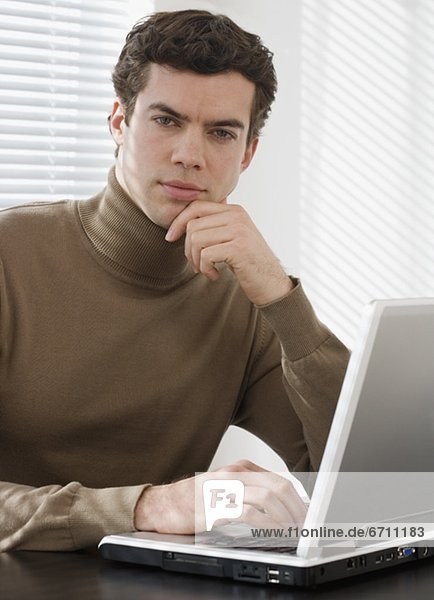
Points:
228	95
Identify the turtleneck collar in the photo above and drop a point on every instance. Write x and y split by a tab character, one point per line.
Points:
128	242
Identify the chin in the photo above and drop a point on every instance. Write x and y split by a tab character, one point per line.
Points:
161	215
164	221
167	219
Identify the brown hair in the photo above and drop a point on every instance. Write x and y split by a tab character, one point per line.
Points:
199	41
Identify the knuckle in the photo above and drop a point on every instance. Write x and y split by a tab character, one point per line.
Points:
268	496
204	266
238	209
248	512
205	262
245	463
189	228
240	244
238	230
243	217
287	486
193	236
283	491
229	469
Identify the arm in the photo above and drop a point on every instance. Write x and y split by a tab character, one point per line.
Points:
290	410
294	382
313	360
63	518
56	517
293	415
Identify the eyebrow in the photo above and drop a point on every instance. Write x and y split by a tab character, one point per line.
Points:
235	123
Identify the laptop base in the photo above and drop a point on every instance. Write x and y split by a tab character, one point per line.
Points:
261	572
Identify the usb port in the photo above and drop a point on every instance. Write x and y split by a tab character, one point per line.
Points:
273	575
351	563
363	561
389	556
379	559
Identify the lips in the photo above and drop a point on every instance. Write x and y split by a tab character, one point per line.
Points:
181	190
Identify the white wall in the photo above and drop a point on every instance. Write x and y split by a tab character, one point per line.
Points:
342	185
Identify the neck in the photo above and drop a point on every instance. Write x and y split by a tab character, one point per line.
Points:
129	243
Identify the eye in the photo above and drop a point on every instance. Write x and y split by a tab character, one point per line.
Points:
164	121
223	134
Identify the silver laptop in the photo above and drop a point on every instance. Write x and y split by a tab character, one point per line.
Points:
375	485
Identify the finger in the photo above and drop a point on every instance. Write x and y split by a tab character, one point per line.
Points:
280	497
214	254
249	466
251	474
265	500
194	226
196	209
242	465
253	516
197	241
209	221
287	494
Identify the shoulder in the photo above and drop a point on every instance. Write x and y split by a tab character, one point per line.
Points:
31	224
30	216
31	210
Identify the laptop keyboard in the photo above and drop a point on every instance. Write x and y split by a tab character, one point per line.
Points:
244	542
279	549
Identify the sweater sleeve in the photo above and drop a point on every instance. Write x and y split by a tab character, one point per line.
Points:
294	381
66	517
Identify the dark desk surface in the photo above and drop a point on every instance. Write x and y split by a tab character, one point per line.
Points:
86	576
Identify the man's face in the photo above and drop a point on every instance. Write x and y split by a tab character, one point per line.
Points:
186	140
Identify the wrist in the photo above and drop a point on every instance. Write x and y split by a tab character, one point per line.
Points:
146	509
275	292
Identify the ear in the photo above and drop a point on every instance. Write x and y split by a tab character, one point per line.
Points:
249	154
117	122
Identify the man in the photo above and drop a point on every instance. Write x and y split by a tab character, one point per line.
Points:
136	326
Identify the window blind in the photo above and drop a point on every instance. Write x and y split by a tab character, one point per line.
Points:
367	155
56	58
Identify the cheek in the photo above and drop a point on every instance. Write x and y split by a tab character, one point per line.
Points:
141	159
227	182
233	171
139	140
229	166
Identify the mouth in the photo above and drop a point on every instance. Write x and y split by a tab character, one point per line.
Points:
181	190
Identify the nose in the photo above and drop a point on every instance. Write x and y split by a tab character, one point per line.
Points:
188	151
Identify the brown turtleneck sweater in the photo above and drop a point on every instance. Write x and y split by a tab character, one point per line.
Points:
120	367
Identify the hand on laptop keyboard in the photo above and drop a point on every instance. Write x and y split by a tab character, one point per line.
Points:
268	501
